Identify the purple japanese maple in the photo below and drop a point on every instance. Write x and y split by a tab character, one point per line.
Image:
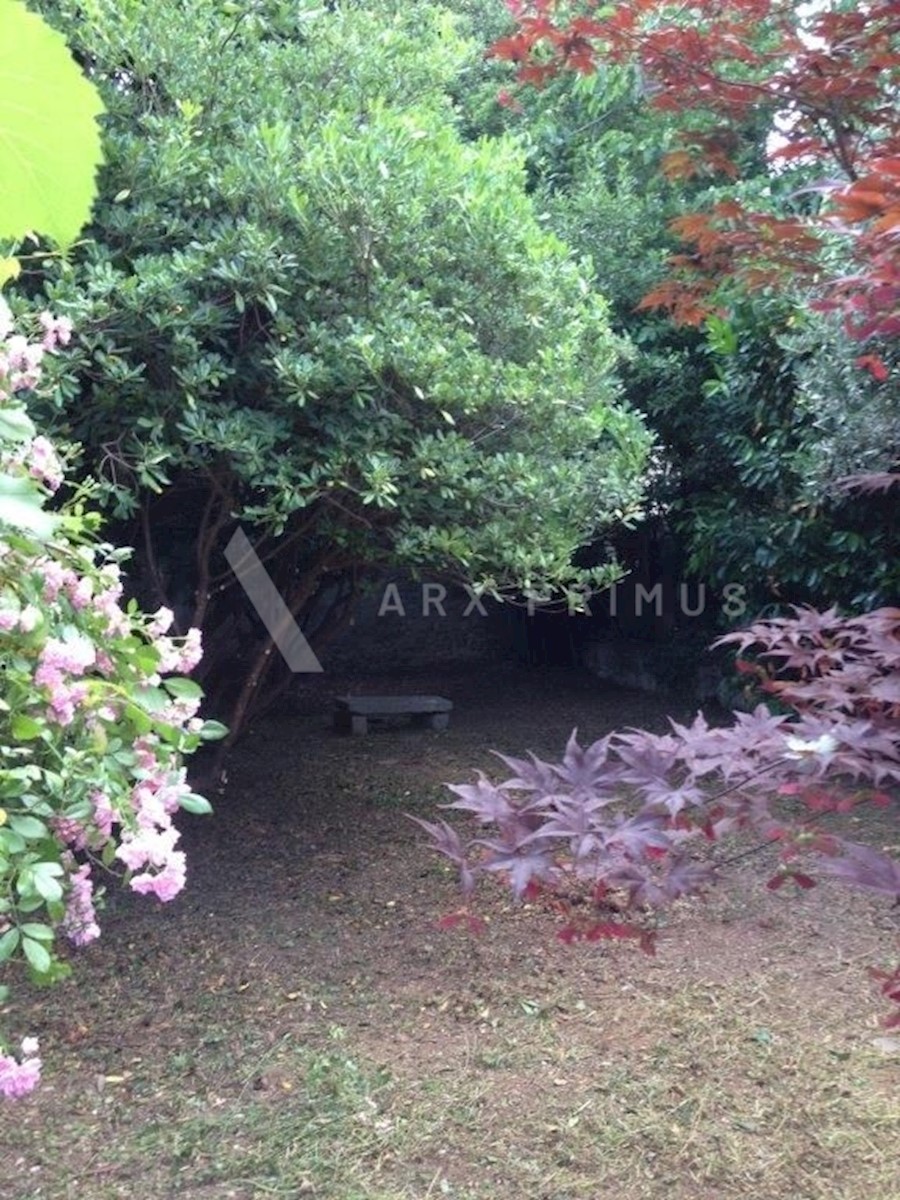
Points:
625	824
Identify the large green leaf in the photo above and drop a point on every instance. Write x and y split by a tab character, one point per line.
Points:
21	506
49	136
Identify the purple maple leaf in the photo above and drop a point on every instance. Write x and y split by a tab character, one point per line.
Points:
863	867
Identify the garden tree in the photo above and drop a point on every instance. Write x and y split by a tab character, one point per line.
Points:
742	425
829	78
825	76
91	735
616	831
309	308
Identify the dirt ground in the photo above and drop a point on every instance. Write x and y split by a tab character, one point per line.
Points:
297	1025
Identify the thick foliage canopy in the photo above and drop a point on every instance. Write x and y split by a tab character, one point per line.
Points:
311	307
765	117
826	77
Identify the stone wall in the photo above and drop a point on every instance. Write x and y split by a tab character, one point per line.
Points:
409	625
677	667
402	624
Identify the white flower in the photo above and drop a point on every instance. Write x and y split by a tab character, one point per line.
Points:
799	749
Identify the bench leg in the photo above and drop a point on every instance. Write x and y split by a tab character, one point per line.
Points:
359	724
438	720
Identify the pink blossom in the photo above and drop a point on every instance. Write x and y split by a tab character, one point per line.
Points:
161	622
74	655
168	883
107	667
171	793
57	330
147	846
104	815
17	1079
181	711
150	806
22	355
169	655
80	593
145	749
80	921
43	463
191	651
56	578
65	697
30	618
70	831
9	619
24	381
106	603
182	658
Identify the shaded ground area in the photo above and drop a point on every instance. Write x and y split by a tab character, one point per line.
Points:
295	1025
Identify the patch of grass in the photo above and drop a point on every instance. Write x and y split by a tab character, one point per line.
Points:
287	1121
308	1123
685	1099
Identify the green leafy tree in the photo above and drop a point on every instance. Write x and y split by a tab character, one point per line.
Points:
756	116
311	308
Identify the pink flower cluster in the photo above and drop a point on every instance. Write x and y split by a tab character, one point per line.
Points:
180	659
43	463
20	365
73	649
59	661
20	360
93	836
79	923
39	459
17	1078
83	594
57	331
150	847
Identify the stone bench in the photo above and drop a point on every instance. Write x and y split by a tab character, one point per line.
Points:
353	713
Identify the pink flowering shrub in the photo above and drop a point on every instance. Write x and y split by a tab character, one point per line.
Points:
95	718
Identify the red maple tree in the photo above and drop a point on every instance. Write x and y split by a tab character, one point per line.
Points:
829	76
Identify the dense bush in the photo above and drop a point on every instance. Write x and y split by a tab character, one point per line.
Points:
309	306
787	412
